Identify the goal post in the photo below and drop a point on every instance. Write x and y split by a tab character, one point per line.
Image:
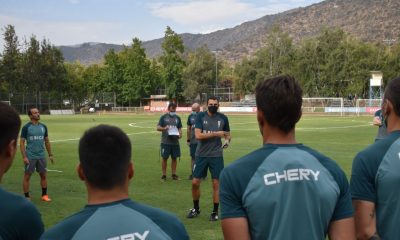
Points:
368	106
323	105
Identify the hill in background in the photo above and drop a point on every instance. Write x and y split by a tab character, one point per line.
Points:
367	20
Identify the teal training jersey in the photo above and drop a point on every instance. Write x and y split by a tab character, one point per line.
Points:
124	219
172	122
34	136
375	178
191	121
211	147
285	192
19	218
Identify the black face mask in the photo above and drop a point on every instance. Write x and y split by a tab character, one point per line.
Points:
212	109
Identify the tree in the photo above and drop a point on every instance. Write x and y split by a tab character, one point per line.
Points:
137	73
173	64
10	74
199	74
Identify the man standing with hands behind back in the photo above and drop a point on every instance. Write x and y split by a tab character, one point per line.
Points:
211	126
191	137
35	135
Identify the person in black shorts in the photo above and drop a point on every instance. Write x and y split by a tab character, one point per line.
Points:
170	125
211	126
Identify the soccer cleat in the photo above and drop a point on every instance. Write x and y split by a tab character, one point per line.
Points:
214	216
163	178
175	177
45	198
193	213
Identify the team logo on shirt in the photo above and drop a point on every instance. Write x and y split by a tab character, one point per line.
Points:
290	175
131	236
219	124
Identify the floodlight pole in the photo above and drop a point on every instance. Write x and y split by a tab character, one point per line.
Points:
216	71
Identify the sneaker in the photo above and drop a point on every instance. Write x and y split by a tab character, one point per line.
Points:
190	177
175	177
45	198
214	216
163	178
193	213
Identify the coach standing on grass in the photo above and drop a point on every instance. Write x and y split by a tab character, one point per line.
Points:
35	134
170	125
211	126
375	177
106	168
284	190
19	219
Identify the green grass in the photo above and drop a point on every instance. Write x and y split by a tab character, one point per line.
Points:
337	137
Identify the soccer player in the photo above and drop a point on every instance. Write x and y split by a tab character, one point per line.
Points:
19	218
106	168
284	190
211	126
170	125
191	138
380	122
375	177
35	134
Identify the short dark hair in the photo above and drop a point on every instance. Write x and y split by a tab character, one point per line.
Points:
105	154
9	125
171	105
212	98
392	93
280	99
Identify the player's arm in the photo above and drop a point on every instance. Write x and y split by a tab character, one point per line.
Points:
377	121
365	219
180	132
235	228
188	133
161	125
48	148
202	135
23	150
342	229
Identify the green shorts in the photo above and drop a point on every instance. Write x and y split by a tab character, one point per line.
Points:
38	164
202	164
193	148
172	150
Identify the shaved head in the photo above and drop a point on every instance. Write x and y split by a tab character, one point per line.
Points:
196	107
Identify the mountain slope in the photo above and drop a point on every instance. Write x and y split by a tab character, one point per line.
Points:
368	20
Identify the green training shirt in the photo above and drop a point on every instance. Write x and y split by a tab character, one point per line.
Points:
124	219
285	192
34	136
171	121
375	178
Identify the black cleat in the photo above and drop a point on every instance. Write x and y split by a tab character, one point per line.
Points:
214	216
193	213
163	178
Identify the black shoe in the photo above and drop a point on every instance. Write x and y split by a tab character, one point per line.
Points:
175	177
214	216
163	178
190	177
193	213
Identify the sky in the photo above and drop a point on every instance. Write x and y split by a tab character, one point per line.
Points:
70	22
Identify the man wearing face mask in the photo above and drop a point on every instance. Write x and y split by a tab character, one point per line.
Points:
211	126
191	138
375	176
171	127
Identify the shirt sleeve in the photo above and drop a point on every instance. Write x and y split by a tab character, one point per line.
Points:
24	132
226	126
188	121
46	133
230	198
344	208
362	183
179	125
199	121
161	122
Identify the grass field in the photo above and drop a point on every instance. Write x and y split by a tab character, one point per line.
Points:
337	137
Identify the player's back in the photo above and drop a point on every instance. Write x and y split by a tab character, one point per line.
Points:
285	192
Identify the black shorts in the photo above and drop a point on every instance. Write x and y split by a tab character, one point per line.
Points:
172	150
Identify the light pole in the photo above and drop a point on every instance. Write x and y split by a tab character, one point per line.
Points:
216	71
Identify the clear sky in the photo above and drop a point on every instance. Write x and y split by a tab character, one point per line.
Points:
69	22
